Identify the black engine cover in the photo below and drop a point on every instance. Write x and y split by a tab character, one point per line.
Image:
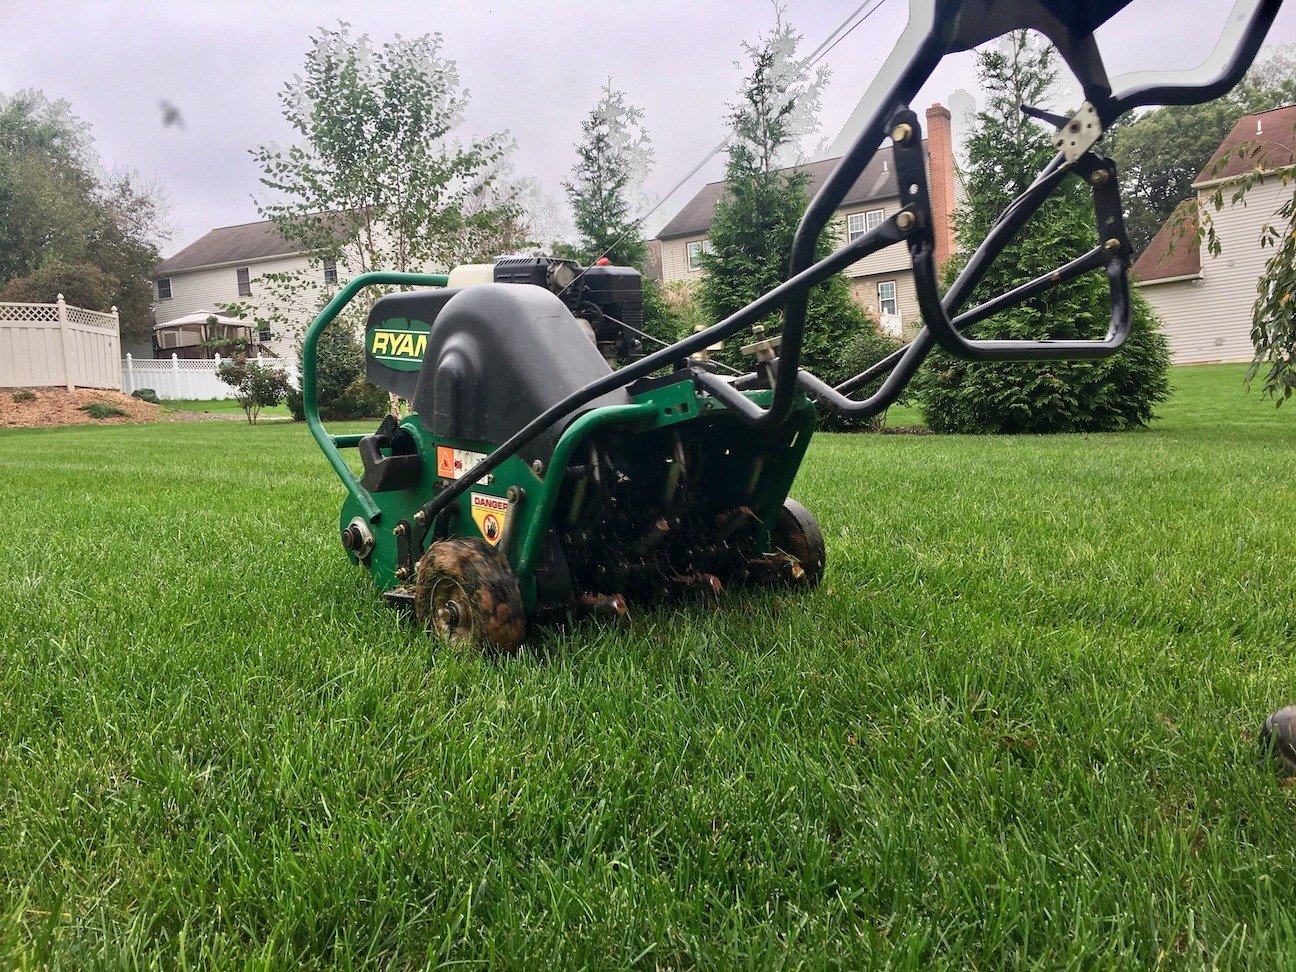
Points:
497	356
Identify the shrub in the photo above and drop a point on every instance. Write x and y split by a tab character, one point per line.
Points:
865	348
81	284
146	395
1105	395
256	386
102	410
24	395
341	389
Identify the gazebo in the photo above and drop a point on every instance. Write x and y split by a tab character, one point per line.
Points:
204	334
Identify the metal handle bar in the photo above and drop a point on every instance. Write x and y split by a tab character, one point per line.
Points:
930	36
1232	57
310	406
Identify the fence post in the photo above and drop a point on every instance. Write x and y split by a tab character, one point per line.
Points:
130	374
67	343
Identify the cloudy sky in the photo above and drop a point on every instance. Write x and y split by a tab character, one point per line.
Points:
532	68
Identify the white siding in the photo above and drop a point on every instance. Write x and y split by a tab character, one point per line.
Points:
864	290
206	289
1209	319
891	260
674	259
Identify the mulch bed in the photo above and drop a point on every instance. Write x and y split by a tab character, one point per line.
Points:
38	408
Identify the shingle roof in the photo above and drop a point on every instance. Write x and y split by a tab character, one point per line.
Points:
1175	250
230	244
1270	133
877	181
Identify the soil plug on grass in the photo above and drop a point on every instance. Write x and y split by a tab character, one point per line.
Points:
1278	739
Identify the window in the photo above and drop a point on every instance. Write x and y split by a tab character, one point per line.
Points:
330	273
887	303
264	336
244	282
164	288
695	251
857	224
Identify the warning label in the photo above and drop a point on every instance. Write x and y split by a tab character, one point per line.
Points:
453	463
490	513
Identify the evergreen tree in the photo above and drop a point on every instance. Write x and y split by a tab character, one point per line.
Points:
756	218
612	161
1005	152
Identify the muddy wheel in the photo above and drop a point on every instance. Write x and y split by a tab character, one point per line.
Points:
797	534
466	594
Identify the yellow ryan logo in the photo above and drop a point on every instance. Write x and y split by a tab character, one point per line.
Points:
399	343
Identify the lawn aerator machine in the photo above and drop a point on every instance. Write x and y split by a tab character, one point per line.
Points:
533	476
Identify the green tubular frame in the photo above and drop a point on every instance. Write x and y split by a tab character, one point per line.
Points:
330	444
537	520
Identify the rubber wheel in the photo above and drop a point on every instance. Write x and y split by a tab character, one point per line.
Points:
465	593
797	533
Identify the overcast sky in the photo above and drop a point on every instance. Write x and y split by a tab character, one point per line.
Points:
532	68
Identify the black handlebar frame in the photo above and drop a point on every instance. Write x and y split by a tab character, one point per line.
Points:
936	29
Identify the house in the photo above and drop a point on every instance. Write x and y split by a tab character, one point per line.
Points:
1205	302
226	266
883	282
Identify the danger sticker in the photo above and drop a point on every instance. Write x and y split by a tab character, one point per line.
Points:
490	513
453	463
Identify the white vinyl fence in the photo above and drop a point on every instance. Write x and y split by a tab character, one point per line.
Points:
58	344
175	377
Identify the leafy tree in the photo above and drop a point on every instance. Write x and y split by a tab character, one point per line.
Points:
60	208
1005	151
1160	153
756	218
379	179
612	161
81	284
256	386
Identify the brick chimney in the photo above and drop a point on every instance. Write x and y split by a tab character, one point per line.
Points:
940	174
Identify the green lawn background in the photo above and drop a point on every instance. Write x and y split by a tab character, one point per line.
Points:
1015	727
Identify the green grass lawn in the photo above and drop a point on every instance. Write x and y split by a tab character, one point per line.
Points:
220	406
1014	727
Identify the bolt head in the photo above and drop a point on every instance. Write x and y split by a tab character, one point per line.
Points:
905	221
902	133
1111	246
1100	177
420	516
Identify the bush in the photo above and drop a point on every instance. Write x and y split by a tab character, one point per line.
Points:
256	386
81	284
1104	395
24	395
146	395
341	388
101	410
865	348
1107	395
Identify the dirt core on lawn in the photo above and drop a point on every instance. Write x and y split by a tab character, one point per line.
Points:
39	408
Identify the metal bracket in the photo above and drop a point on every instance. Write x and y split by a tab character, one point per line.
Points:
764	348
1079	134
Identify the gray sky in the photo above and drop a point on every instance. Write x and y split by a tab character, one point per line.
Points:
533	68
